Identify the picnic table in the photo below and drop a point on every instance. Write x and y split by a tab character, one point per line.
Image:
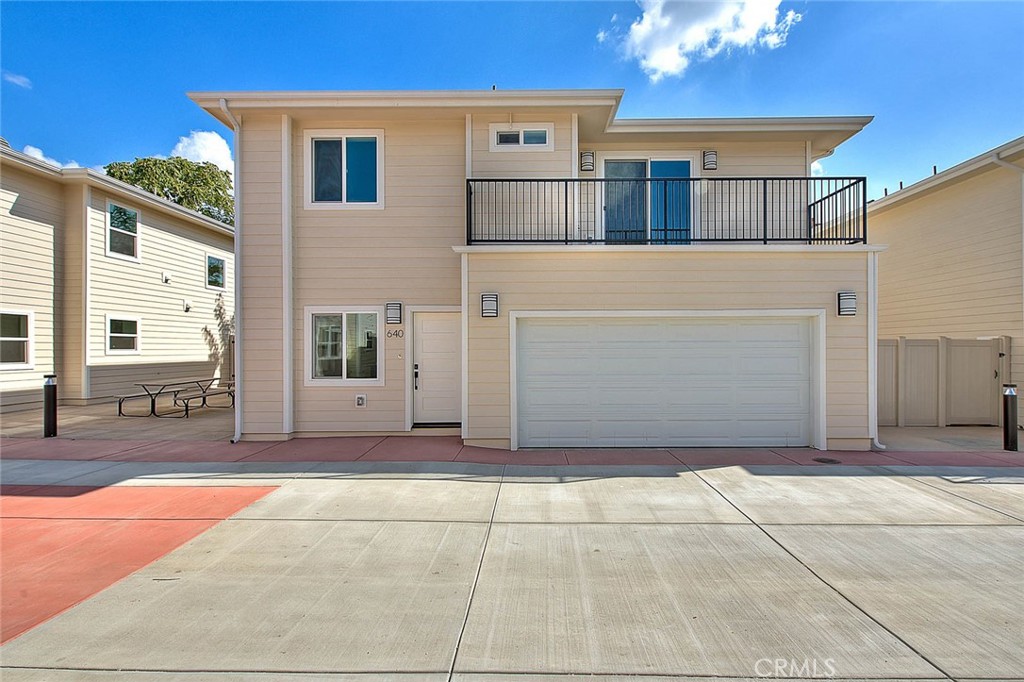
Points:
158	387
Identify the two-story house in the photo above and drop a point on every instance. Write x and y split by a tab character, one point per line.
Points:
527	268
105	285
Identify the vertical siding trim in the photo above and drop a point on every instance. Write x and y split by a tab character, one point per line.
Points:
873	349
807	158
287	314
238	365
469	146
465	345
575	143
86	290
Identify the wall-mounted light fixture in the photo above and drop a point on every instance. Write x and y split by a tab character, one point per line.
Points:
393	312
710	158
186	305
587	162
165	278
488	305
846	303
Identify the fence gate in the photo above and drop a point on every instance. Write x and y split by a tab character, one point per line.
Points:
941	382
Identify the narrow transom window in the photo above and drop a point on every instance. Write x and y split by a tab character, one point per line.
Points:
535	137
122	335
122	231
14	339
521	137
214	272
508	137
345	347
345	169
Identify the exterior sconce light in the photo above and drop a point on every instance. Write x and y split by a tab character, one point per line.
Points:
846	305
710	160
488	305
393	312
186	305
587	162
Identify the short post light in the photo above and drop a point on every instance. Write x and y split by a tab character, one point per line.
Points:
1010	417
50	406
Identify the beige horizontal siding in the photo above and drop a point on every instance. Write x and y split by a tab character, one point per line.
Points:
735	159
556	163
954	265
666	281
402	252
119	379
167	334
262	322
31	232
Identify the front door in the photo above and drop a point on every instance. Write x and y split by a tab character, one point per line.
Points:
437	368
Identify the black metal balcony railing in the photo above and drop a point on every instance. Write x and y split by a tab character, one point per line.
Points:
667	211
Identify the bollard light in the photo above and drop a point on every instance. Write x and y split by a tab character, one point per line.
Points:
1010	417
50	406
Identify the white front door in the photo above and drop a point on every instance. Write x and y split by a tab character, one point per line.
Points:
437	368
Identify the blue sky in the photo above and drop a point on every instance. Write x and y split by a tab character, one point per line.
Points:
95	82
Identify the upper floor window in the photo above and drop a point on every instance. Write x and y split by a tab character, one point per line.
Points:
344	168
122	232
215	272
15	340
527	137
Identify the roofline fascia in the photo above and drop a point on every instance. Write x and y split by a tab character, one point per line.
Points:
993	157
733	125
95	179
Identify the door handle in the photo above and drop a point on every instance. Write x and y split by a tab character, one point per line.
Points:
416	377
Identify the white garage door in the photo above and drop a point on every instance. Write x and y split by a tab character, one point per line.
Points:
650	381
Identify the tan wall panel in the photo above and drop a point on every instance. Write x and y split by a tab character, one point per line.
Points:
683	281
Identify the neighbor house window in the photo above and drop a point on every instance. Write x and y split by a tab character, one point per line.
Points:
122	231
215	272
122	335
344	168
343	346
530	137
15	340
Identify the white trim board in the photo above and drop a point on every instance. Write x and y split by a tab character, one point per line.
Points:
816	316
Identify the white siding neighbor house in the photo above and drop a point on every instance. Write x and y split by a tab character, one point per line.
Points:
105	285
951	303
526	269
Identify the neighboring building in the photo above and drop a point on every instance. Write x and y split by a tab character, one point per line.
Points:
105	285
954	272
565	278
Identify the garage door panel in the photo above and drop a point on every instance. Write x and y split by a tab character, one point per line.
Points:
662	381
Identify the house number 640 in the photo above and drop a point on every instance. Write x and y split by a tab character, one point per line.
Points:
396	333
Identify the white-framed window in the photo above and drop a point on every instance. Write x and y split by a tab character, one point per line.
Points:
123	335
522	137
16	347
343	169
122	232
343	346
216	272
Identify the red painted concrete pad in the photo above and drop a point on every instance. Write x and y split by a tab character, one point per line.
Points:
622	456
954	459
477	455
538	458
68	449
191	451
730	457
415	449
807	457
345	449
55	556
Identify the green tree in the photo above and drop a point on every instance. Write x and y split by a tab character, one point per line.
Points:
201	187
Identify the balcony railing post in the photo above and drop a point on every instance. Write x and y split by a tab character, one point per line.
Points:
764	207
566	184
862	184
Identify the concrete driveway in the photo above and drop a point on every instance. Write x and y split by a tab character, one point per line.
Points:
453	571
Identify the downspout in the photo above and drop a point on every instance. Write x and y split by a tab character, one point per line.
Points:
1012	166
873	350
237	363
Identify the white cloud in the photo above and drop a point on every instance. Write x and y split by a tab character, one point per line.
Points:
602	36
37	153
669	35
17	79
205	145
817	170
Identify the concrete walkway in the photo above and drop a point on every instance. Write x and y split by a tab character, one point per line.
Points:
458	571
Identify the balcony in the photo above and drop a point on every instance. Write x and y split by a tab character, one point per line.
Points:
667	211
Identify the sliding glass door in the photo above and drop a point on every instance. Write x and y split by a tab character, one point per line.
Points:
647	201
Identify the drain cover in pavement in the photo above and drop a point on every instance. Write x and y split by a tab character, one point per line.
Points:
827	460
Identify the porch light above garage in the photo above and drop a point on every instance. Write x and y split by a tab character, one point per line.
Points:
846	304
488	305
